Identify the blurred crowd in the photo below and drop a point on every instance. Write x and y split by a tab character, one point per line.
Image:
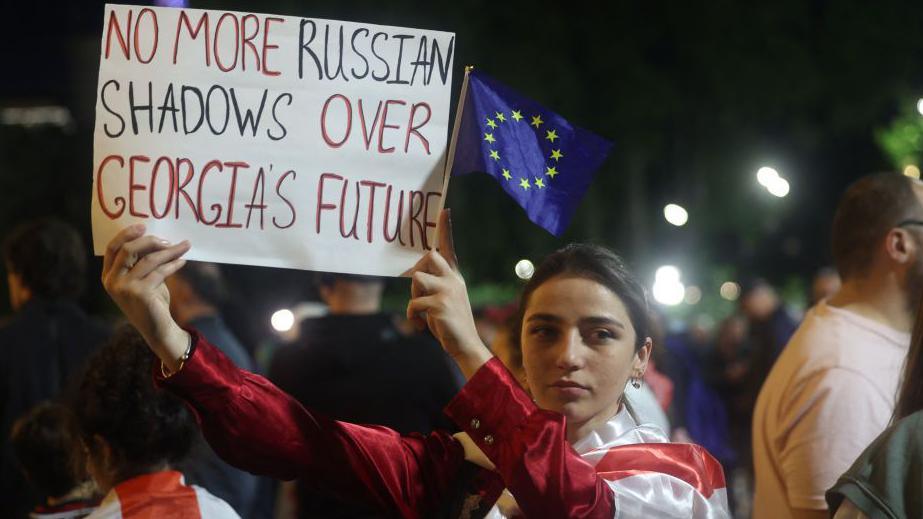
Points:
785	401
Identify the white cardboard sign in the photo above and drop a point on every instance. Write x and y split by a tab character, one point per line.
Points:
272	140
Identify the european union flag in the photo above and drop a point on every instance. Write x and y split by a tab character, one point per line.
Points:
542	161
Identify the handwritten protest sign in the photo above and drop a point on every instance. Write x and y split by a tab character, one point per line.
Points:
272	140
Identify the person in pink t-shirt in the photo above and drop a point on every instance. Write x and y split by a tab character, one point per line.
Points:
833	389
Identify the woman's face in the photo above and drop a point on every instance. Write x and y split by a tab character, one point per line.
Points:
578	347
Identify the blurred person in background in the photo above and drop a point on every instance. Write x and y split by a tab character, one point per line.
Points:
135	434
833	389
47	446
728	368
355	365
770	325
697	412
885	480
46	340
197	292
507	348
491	320
825	284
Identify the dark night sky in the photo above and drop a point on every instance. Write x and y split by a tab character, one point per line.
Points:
695	97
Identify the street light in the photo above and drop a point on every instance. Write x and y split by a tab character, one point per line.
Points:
778	187
766	175
668	290
282	320
524	269
693	295
675	214
730	290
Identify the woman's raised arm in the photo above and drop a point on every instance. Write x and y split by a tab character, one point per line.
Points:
134	268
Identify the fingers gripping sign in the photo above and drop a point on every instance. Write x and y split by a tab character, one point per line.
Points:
134	269
439	298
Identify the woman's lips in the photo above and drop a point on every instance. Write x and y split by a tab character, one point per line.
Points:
569	389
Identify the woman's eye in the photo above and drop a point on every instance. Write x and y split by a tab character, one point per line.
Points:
603	335
542	332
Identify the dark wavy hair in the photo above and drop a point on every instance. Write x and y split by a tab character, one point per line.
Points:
49	256
598	264
910	395
144	426
47	446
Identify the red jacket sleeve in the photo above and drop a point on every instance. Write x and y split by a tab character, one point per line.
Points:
255	426
529	447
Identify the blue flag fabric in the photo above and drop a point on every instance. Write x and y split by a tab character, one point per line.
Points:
541	160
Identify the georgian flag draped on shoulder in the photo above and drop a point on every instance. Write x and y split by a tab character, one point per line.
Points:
648	476
695	477
540	159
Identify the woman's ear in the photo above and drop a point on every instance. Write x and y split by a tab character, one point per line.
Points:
642	356
101	453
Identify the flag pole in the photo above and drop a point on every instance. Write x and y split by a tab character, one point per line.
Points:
447	174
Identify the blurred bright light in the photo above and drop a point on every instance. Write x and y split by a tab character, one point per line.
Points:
667	273
911	171
675	214
693	295
667	288
282	320
920	106
730	290
33	116
669	293
778	187
765	175
524	269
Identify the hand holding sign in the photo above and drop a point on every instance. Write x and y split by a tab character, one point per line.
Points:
272	140
438	291
134	269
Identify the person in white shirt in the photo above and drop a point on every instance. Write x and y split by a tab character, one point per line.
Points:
833	389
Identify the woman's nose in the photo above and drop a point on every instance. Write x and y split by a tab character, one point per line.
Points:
570	351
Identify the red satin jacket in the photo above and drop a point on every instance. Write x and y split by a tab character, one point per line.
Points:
255	426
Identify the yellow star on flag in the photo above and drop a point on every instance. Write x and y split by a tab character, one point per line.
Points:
523	183
556	154
494	154
489	137
551	172
501	117
551	135
491	123
536	121
516	115
506	174
539	183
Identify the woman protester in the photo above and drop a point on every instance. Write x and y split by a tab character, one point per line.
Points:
885	480
575	451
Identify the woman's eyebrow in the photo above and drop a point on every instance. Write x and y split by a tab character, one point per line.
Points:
544	317
600	320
